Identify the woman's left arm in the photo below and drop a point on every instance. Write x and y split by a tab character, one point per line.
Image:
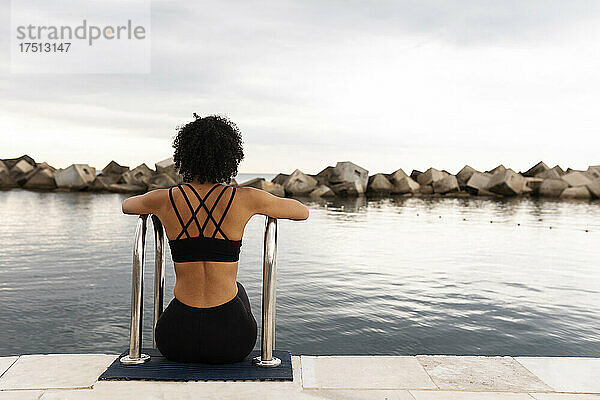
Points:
147	203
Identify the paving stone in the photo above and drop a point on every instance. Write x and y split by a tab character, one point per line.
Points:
481	373
566	374
218	390
55	371
364	372
152	390
564	396
326	377
20	394
342	394
124	390
446	395
297	370
6	362
129	390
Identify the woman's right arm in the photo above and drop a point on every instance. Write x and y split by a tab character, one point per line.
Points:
264	203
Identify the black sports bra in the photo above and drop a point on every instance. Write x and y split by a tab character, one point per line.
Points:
203	248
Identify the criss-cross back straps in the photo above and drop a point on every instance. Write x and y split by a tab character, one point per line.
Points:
177	213
194	212
218	226
202	204
193	216
210	212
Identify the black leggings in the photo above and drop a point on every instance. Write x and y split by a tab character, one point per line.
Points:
216	335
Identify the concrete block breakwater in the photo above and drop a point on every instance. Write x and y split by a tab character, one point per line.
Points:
345	179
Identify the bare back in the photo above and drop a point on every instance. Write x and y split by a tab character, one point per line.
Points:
204	283
220	218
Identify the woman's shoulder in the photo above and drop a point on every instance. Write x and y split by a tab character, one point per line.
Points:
157	194
249	192
250	198
149	202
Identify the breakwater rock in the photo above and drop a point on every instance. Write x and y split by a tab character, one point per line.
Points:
26	173
345	179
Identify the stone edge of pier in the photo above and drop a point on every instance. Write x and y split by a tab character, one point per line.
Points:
74	376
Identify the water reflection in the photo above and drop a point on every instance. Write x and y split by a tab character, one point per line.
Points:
338	204
362	276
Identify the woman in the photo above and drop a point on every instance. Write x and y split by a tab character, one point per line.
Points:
209	320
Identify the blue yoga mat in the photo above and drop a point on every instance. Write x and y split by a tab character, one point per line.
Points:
158	368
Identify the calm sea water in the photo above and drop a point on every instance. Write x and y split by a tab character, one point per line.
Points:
393	276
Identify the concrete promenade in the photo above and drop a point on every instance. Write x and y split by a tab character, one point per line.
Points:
74	376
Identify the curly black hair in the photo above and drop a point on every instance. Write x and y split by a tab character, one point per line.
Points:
209	149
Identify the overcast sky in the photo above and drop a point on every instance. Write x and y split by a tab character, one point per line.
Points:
385	84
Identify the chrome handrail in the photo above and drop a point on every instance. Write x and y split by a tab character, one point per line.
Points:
159	273
135	355
266	358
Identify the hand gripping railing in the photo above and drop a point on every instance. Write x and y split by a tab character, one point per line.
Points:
135	356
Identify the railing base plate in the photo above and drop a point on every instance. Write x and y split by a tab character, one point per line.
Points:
274	362
127	360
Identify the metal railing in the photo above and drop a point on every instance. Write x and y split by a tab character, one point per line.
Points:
269	296
135	355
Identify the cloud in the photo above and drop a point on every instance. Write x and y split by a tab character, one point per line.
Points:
358	78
